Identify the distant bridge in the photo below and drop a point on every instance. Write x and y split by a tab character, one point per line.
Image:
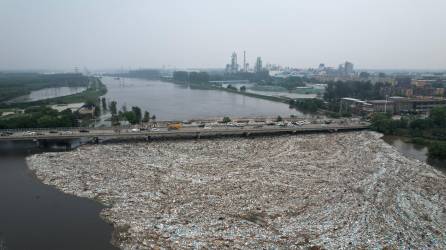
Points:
231	81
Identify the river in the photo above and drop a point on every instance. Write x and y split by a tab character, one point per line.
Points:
37	216
170	101
415	151
47	93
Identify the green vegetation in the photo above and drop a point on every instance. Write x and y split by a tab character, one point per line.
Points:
191	77
307	105
226	119
18	84
289	83
113	108
150	74
40	117
356	89
430	131
95	89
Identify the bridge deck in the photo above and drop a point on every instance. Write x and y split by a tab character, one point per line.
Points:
183	132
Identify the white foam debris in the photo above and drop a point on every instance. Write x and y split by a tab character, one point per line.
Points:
334	191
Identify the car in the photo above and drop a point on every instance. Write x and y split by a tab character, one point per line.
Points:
84	131
155	129
207	127
4	134
135	130
66	132
53	132
29	133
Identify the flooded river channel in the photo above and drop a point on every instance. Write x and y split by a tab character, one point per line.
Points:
37	216
170	101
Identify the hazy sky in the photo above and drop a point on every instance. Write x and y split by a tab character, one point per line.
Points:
61	34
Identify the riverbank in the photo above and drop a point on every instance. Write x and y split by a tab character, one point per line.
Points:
95	89
347	190
214	87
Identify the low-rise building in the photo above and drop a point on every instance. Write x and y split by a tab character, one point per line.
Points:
383	106
355	106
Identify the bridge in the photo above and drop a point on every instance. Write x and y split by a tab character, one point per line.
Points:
230	81
192	131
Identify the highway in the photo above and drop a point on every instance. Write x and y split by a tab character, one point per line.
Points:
187	131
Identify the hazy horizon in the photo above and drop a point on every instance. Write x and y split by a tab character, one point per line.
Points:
112	34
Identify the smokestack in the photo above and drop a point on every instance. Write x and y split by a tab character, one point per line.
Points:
244	61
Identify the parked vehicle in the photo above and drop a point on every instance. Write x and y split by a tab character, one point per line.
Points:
84	131
29	133
135	130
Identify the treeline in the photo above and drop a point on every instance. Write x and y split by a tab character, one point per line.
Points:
307	105
356	89
151	74
191	77
250	76
17	84
40	117
430	131
288	83
133	116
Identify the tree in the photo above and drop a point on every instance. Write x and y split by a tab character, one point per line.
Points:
124	108
438	149
181	76
146	117
97	110
115	120
226	119
113	107
104	104
153	117
279	118
438	117
138	113
242	89
231	87
130	116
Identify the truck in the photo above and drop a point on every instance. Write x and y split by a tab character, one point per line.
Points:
174	126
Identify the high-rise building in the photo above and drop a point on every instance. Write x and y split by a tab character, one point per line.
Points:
321	66
234	65
348	68
258	67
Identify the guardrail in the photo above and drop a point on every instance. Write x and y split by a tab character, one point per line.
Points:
110	132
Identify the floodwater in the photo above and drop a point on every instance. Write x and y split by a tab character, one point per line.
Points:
48	93
170	101
37	216
415	151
